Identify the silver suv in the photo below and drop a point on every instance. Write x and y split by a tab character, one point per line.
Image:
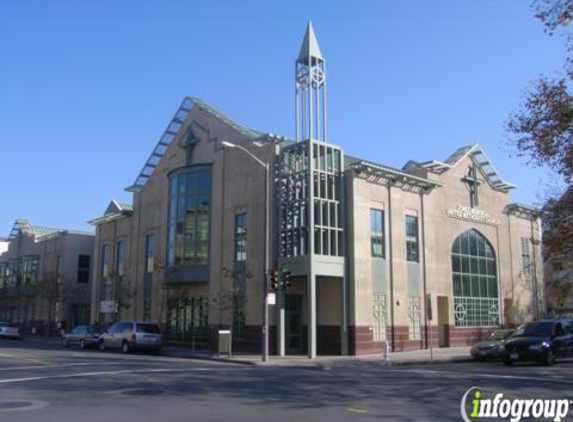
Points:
130	335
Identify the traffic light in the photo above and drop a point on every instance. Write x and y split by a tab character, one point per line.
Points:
274	279
285	279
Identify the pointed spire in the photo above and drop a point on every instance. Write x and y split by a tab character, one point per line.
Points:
309	45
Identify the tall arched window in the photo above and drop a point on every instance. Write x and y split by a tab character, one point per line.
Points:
474	274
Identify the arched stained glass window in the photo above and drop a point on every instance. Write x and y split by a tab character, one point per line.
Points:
474	273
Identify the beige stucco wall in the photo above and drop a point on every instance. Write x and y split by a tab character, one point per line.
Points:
237	185
440	232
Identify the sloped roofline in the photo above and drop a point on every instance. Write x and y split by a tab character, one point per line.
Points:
173	131
479	157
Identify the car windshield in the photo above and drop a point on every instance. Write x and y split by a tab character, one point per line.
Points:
500	335
534	329
91	330
148	328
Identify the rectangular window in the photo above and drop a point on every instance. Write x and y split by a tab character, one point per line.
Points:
149	253
3	275
241	221
120	262
104	262
377	233
103	272
30	270
59	268
83	268
525	257
412	250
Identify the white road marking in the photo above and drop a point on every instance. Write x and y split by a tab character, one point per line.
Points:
104	373
17	368
489	376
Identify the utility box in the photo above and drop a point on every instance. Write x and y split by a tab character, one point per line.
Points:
224	343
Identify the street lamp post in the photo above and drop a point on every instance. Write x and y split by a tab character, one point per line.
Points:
265	330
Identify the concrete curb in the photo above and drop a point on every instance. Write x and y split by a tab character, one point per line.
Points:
323	365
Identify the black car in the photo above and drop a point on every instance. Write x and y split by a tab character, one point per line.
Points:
492	347
540	341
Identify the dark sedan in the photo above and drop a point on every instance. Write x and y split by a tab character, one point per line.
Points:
82	336
540	341
492	347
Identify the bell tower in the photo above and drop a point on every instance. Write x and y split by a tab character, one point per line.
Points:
310	78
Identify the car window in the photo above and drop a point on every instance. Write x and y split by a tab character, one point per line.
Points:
534	329
558	330
499	335
77	330
127	327
148	328
113	328
91	330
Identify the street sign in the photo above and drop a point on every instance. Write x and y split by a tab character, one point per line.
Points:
107	307
272	299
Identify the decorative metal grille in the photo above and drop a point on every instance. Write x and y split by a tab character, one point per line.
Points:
471	311
414	318
380	314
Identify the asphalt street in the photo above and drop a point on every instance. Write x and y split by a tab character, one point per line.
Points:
41	382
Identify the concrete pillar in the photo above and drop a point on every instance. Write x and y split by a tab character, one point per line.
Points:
281	333
311	287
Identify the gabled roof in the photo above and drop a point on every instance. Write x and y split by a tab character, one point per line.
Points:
114	211
173	129
22	226
479	157
115	207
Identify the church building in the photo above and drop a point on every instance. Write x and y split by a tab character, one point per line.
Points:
235	228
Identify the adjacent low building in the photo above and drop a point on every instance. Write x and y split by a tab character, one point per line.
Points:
361	254
45	279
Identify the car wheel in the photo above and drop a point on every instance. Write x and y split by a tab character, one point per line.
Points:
82	344
507	361
101	345
65	343
550	358
125	347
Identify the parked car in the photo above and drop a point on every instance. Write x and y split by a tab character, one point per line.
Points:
83	336
492	347
9	330
541	341
131	335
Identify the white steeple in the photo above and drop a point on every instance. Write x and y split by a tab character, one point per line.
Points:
309	47
310	78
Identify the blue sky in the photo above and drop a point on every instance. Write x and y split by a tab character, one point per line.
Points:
87	87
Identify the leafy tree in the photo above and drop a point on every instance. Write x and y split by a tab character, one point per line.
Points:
542	128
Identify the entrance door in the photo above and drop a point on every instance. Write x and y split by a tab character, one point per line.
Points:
293	323
443	320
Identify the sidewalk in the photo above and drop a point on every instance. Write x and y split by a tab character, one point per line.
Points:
415	357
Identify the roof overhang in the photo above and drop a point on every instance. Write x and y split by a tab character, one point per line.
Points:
522	210
386	175
108	218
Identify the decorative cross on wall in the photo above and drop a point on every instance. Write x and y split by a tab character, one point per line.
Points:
473	182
